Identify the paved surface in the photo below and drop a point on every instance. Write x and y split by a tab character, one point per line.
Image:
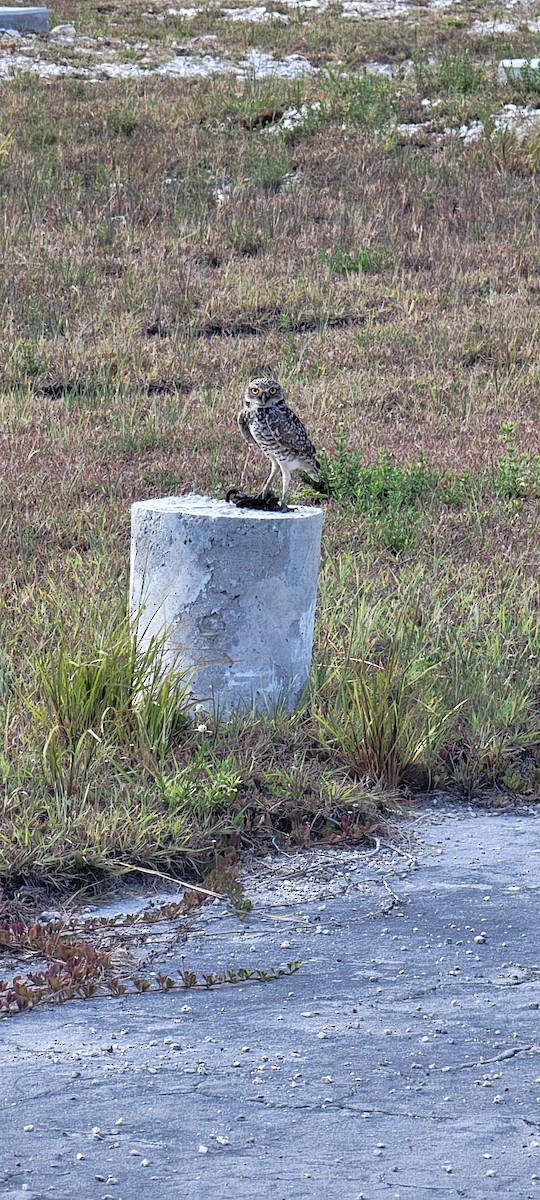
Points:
402	1060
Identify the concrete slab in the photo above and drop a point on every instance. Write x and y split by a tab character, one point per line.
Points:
514	68
31	20
402	1060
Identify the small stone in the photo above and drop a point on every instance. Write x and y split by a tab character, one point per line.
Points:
63	31
80	1157
27	1128
203	1149
145	1162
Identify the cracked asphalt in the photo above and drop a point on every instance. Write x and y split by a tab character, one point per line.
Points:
401	1061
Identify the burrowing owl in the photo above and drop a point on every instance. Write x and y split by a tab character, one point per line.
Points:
267	422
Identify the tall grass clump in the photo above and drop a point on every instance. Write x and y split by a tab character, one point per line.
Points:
381	706
360	97
86	707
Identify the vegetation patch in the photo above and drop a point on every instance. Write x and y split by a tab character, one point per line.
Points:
167	240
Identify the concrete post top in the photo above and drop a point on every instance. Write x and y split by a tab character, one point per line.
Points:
33	20
205	507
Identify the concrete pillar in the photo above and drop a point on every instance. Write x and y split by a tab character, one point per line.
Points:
234	592
30	20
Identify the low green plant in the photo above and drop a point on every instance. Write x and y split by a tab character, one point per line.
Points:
271	169
456	74
122	120
203	789
356	262
516	475
389	495
527	81
28	358
360	97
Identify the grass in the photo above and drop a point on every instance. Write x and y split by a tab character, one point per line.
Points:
168	239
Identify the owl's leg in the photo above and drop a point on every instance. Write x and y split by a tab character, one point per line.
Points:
285	482
268	485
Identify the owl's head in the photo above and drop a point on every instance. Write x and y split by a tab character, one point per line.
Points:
263	393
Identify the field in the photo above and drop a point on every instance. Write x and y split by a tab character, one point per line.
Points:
369	237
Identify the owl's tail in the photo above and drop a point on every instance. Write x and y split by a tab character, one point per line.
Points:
313	477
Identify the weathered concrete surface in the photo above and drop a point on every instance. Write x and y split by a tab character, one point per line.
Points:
30	20
401	1061
234	590
514	68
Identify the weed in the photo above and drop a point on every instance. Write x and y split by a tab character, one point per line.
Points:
76	969
356	262
516	475
527	82
453	73
359	97
122	121
272	169
389	495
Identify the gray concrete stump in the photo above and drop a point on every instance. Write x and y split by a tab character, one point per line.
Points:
233	593
31	20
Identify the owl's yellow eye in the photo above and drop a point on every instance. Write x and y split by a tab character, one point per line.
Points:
272	391
255	391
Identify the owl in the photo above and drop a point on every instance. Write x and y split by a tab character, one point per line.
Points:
266	421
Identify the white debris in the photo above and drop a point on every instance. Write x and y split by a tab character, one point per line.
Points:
487	27
257	63
296	118
471	133
221	194
187	67
410	129
521	120
256	14
63	33
358	9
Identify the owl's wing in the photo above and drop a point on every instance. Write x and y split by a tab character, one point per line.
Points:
243	425
285	424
